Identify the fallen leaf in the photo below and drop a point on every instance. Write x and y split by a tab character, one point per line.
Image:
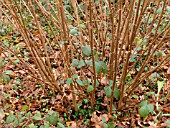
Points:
71	123
1	114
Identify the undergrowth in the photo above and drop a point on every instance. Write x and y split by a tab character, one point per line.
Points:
89	57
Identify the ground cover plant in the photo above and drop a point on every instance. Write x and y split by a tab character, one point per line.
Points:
95	63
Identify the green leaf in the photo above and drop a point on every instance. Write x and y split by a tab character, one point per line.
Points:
37	116
98	66
26	23
2	62
143	103
133	58
75	76
28	115
24	107
85	101
83	26
86	50
19	119
75	62
80	82
135	96
110	82
97	83
10	118
8	72
69	19
105	125
86	82
61	125
88	62
50	112
81	64
103	119
159	11
168	8
6	78
138	40
144	42
138	48
160	85
69	81
32	126
143	111
110	125
29	17
2	115
104	67
74	31
53	118
108	91
46	125
116	93
159	54
150	92
168	122
67	6
90	88
17	61
150	107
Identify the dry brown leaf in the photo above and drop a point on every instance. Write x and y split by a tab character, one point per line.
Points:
104	81
95	118
71	123
152	125
97	126
105	116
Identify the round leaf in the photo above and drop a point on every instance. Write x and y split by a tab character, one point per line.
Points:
108	91
168	122
168	8
37	116
105	125
24	107
2	62
61	125
2	115
81	64
88	62
150	107
159	11
98	67
143	111
74	31
83	26
8	72
10	118
6	79
116	93
69	81
103	119
86	50
160	85
104	67
144	42
90	88
52	119
75	76
75	62
111	125
80	82
143	103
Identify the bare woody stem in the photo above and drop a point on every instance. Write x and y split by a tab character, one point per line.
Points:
92	52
